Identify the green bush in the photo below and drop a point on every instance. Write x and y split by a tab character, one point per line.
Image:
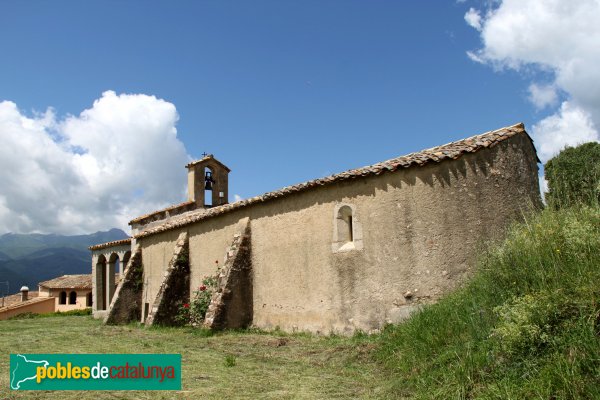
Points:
194	312
574	176
230	360
30	315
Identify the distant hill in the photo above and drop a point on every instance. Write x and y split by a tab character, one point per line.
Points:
16	245
30	259
4	256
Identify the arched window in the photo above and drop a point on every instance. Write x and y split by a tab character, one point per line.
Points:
73	298
62	298
88	302
347	231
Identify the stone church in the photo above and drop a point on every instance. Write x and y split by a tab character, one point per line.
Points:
354	250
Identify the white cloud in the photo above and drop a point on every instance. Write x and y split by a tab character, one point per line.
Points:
543	183
237	197
542	96
116	160
559	38
570	126
473	18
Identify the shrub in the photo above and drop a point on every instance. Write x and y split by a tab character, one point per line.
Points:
70	313
574	176
230	360
194	312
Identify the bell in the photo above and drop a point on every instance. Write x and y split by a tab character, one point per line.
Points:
208	181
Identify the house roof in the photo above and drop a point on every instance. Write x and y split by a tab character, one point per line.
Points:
15	299
69	282
176	207
25	303
450	151
109	244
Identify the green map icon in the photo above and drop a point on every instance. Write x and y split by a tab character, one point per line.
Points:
23	370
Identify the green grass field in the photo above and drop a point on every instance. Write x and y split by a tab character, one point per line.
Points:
266	366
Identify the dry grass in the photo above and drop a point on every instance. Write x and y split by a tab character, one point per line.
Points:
228	365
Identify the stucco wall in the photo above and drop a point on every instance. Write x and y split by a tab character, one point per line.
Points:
421	228
208	243
156	254
38	307
81	301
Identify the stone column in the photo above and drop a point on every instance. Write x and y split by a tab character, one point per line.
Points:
110	283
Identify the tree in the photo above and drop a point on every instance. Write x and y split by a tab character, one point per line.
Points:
574	176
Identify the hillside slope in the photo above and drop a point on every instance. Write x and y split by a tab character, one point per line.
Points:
30	259
16	245
526	326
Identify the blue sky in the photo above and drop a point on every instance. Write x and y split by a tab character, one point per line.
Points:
280	91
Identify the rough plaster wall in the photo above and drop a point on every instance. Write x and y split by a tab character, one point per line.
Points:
231	304
209	241
174	289
157	252
42	307
81	299
291	251
421	230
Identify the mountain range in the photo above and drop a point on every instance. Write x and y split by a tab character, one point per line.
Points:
27	259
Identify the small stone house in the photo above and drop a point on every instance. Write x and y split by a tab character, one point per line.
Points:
71	292
354	250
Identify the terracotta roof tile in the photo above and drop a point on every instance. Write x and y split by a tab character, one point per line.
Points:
27	302
110	244
16	299
451	150
205	158
69	282
176	207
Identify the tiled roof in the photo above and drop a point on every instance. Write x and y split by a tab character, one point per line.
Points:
176	207
27	302
205	158
450	151
69	282
110	244
16	299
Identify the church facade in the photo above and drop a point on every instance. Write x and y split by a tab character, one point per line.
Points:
355	250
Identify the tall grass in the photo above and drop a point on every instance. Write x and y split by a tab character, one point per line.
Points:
526	326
